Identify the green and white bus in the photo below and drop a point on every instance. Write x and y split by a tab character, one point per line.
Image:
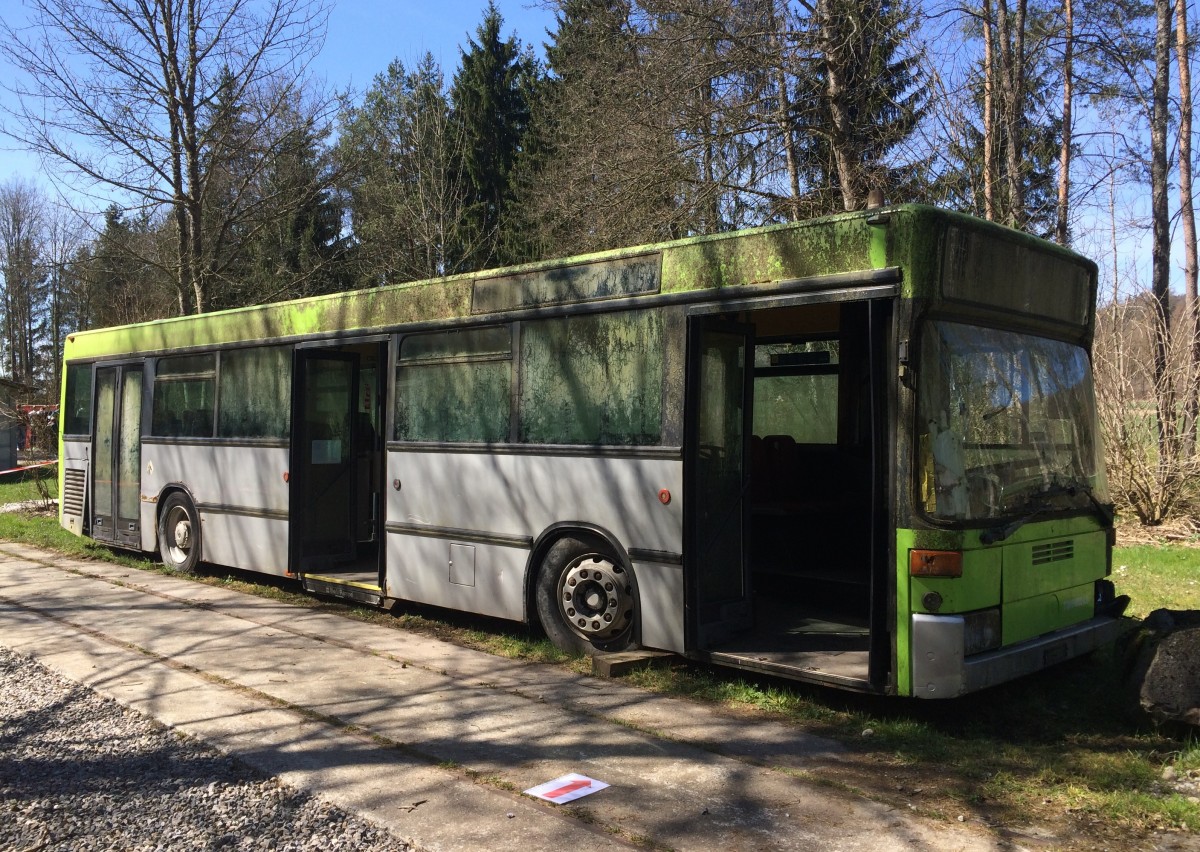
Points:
859	450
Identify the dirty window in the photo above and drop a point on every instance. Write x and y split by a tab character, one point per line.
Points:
455	386
592	379
184	392
256	391
77	418
796	390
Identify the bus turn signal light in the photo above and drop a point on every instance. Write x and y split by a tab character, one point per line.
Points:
935	563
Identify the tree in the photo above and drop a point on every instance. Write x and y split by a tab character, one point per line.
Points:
296	249
121	283
117	91
490	99
608	169
1002	160
22	209
866	101
64	237
400	159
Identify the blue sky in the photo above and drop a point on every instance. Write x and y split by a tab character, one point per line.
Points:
363	37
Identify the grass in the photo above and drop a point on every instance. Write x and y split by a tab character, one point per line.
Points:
1062	746
1156	577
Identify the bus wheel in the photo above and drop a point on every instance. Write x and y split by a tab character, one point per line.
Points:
179	533
584	598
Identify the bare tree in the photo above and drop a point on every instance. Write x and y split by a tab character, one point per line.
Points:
64	237
21	214
128	95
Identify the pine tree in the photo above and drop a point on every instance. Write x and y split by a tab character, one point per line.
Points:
490	102
400	156
864	103
299	250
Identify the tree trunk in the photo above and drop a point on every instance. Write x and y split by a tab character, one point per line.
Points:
784	118
1064	154
989	116
1187	213
1160	273
1011	35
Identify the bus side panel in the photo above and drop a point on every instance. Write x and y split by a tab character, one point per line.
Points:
470	576
465	498
74	484
241	495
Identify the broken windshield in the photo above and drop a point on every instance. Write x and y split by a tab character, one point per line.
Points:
1005	421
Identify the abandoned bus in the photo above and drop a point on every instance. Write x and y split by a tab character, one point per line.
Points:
860	450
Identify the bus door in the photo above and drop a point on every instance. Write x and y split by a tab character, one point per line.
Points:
322	473
117	459
718	410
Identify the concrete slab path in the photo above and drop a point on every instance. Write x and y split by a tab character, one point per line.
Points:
433	741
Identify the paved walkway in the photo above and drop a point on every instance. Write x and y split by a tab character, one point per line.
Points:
433	741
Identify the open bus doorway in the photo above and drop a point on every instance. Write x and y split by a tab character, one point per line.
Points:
801	509
336	468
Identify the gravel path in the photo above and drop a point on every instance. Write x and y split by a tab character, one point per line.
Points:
81	772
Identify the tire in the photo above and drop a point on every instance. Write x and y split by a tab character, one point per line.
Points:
584	598
179	533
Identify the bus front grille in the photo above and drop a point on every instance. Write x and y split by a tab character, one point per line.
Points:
1054	551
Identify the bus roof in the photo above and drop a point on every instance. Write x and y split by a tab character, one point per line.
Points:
845	243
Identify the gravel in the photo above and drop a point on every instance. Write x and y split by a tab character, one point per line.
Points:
81	772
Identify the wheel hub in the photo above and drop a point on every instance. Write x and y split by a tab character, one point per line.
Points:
183	535
596	599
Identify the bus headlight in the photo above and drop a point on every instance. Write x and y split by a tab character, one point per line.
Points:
981	631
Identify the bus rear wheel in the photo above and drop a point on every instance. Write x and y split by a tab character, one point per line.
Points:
584	598
179	533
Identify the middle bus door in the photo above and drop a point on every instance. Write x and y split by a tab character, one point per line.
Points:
717	435
322	470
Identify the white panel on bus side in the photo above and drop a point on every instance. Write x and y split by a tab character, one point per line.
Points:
660	596
520	495
245	483
418	571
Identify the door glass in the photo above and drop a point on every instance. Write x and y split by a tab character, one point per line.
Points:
327	503
129	485
102	472
720	468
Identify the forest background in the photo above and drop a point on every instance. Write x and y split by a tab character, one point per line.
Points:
194	162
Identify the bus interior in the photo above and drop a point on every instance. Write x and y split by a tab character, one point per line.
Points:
813	553
336	470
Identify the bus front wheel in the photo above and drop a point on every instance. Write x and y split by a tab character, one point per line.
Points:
179	533
584	598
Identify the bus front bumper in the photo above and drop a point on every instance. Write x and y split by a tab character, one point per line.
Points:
940	669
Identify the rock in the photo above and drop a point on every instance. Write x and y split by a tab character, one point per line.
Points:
1165	667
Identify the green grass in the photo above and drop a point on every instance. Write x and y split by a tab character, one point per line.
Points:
1156	577
1062	742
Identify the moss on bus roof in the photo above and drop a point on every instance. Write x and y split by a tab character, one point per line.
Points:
835	244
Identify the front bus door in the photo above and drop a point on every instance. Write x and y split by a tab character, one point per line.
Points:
116	481
322	469
718	410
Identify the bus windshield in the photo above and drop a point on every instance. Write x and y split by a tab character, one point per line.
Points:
1007	425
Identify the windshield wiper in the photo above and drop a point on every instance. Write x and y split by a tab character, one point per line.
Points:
1003	531
1070	488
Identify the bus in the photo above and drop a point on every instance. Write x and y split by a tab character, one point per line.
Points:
860	450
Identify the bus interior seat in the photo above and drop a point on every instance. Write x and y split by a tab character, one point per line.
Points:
810	510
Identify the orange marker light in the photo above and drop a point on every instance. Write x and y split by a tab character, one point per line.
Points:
664	496
935	563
